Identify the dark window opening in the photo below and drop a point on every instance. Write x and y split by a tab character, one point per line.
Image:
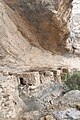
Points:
59	68
22	81
30	84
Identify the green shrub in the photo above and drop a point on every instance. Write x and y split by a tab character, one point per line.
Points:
73	80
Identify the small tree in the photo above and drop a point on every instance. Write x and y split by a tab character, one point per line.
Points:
73	80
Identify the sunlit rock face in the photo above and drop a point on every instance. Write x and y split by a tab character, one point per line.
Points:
75	24
47	19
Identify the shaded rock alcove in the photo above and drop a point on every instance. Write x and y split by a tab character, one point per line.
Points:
46	19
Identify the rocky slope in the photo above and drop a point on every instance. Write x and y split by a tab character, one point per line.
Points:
48	20
20	48
33	56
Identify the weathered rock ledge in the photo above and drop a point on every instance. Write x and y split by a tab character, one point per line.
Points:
42	22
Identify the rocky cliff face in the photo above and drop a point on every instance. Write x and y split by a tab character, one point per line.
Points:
75	25
31	87
20	43
48	20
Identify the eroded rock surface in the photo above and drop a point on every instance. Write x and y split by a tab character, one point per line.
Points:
31	87
46	19
16	51
75	25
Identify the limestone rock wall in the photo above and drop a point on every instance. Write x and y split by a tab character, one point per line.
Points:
17	52
75	25
48	20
